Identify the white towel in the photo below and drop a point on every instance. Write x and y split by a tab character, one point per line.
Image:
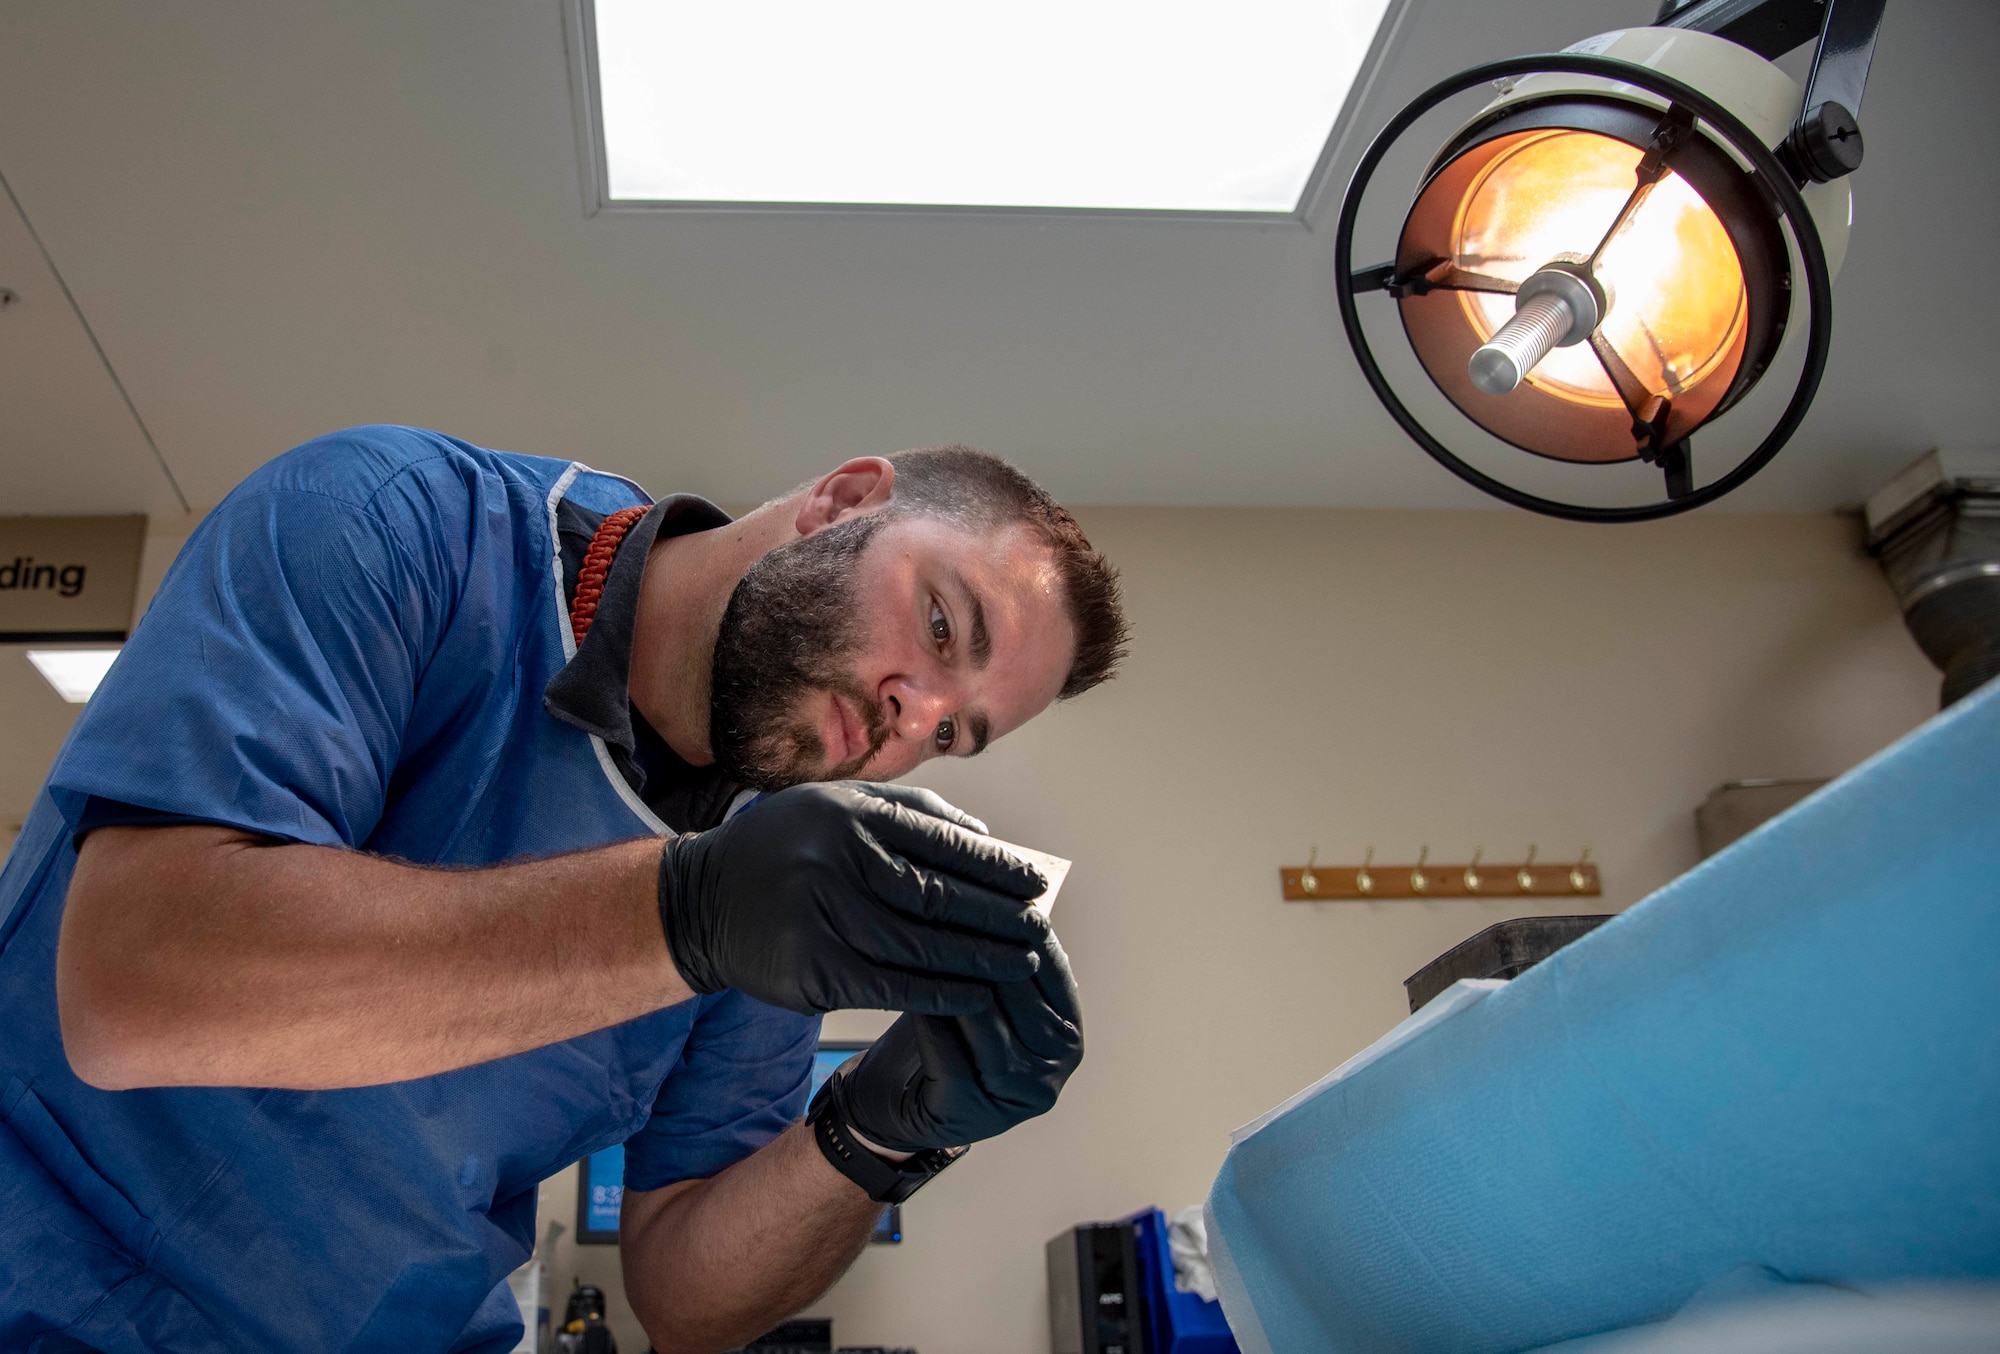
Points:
1187	1240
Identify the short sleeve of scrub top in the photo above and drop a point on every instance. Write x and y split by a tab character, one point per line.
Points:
282	653
741	1082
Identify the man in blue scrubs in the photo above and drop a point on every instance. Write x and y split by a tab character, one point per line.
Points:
424	804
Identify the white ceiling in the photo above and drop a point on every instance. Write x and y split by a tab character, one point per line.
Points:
281	219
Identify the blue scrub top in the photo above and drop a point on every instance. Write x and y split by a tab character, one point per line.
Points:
350	652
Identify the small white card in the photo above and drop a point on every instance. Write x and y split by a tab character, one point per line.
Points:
1054	869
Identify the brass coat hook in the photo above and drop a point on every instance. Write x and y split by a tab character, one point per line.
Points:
1318	883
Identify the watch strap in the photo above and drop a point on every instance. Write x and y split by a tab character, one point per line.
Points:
886	1182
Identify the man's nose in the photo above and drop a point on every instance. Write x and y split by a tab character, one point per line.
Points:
916	707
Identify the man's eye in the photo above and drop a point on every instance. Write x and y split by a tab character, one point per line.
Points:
947	734
940	626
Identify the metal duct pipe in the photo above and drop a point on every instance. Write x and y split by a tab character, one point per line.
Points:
1935	530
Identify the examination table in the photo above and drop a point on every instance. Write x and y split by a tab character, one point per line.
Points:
1782	1068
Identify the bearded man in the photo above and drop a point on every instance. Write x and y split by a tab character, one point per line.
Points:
454	814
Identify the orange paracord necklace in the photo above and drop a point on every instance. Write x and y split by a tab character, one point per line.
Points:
597	566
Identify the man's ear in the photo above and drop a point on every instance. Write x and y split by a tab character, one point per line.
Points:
860	486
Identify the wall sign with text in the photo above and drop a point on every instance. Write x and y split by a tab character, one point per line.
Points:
68	578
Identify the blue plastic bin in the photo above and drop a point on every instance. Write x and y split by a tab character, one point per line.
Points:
1176	1322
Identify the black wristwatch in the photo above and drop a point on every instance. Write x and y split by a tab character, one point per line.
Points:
887	1182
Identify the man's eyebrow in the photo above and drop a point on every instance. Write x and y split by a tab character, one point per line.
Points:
976	724
982	642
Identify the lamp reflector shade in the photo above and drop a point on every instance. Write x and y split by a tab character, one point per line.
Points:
1691	281
1668	270
1600	263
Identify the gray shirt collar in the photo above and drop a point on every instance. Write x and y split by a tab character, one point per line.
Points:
591	691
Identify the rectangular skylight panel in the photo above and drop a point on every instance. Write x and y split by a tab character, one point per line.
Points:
1120	104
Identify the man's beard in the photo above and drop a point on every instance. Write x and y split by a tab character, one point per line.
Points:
787	635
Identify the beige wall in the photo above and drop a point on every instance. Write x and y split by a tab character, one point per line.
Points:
1347	678
1339	678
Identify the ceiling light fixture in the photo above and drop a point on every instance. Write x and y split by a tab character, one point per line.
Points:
1608	256
1113	105
74	673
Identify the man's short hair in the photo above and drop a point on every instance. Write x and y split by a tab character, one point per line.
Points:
979	490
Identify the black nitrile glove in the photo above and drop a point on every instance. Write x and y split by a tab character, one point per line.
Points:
935	1081
849	894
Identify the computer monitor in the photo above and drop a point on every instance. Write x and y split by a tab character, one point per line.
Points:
600	1188
600	1192
827	1059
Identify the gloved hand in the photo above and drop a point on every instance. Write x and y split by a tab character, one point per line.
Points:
935	1081
849	894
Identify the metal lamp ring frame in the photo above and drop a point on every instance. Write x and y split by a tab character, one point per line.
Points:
1768	177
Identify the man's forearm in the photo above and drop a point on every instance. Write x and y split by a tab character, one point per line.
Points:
198	956
712	1263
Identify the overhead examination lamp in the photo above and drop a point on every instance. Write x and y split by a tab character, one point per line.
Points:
1611	254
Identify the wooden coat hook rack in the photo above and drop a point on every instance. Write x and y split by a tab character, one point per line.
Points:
1316	883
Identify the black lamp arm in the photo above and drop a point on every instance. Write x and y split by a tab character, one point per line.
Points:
1825	142
1770	28
1846	46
